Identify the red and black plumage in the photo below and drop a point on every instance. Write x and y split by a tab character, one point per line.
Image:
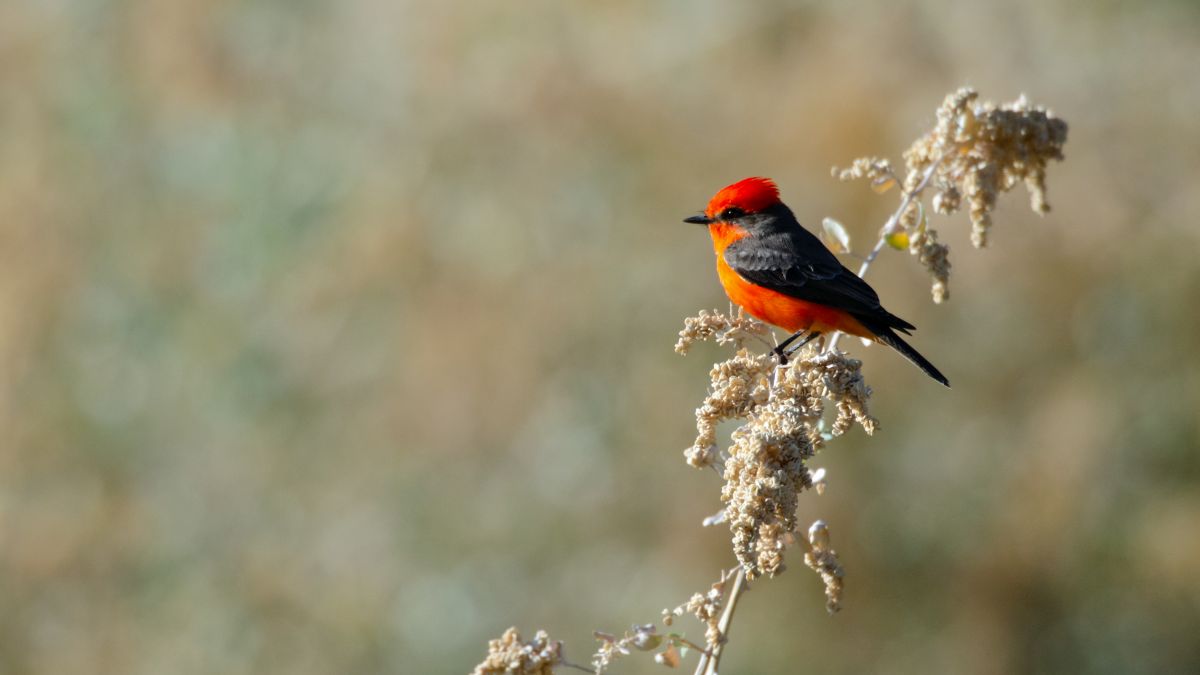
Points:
781	273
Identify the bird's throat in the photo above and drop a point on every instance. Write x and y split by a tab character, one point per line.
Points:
724	234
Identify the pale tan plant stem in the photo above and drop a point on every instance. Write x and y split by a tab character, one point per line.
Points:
909	196
709	663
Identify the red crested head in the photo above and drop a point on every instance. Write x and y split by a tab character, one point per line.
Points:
747	196
750	195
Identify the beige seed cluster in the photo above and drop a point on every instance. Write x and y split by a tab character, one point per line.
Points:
510	656
877	169
824	561
642	637
765	470
836	377
722	329
934	257
763	478
975	152
707	608
983	149
738	386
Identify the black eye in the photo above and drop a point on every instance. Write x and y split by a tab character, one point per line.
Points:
731	213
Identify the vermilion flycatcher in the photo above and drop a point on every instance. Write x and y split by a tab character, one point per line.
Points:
781	273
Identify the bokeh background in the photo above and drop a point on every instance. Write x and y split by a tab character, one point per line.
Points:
335	337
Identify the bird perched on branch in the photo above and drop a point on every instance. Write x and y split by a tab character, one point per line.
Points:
782	274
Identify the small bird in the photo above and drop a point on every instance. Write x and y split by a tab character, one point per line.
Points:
782	274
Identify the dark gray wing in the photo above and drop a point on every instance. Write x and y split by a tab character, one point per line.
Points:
801	267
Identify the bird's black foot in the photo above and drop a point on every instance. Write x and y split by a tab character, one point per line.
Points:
783	357
811	336
781	350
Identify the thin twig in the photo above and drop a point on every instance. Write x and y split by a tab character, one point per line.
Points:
693	646
709	663
909	196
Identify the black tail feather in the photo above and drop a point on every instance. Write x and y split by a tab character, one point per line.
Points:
888	337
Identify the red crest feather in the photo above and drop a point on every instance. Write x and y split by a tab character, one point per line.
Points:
749	194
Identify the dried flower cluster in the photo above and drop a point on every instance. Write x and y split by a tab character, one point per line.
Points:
644	638
934	256
983	149
738	384
837	378
706	607
510	656
877	169
765	470
975	152
723	329
824	561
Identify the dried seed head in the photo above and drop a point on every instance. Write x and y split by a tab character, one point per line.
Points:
765	470
645	637
934	257
974	152
510	656
877	169
824	561
738	386
983	149
722	329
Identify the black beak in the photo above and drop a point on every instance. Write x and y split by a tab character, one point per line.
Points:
698	220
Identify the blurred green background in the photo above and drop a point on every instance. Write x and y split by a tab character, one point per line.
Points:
335	337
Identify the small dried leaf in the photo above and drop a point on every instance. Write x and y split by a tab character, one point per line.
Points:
668	657
818	535
900	239
897	240
835	236
882	184
818	480
647	642
677	641
646	638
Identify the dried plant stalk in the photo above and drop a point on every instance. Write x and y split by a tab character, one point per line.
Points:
975	152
